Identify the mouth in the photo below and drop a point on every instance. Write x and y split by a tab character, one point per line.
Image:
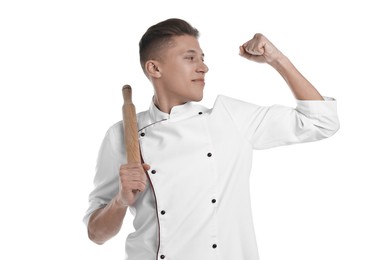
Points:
200	80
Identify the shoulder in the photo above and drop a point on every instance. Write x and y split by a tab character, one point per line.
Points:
229	104
115	128
114	134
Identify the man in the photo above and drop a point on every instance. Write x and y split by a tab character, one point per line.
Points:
191	197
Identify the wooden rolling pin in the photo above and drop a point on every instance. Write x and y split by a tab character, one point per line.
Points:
130	126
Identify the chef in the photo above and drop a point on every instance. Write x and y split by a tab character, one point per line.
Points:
190	198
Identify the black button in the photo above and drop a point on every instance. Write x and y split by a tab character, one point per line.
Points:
215	246
153	171
213	200
200	113
209	154
162	256
162	212
142	134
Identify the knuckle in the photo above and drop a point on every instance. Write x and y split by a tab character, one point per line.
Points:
258	35
142	187
123	169
136	186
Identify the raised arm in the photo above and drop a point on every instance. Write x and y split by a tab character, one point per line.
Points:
261	50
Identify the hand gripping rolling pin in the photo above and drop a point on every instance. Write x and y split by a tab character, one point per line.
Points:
130	126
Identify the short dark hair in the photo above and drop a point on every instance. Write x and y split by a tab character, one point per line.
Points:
160	34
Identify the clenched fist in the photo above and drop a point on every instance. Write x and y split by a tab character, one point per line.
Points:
132	178
260	49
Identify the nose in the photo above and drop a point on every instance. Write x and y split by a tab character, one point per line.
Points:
202	68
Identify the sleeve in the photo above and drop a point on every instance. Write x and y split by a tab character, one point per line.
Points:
106	181
267	127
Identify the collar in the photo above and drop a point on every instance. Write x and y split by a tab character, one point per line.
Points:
179	112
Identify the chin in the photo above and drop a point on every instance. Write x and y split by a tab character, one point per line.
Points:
198	98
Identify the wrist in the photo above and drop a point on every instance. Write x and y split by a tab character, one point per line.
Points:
118	203
280	62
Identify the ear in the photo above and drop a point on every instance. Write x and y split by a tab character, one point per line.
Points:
152	69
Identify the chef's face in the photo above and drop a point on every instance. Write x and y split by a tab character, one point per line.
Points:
183	70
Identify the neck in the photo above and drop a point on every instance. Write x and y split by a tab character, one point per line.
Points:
165	105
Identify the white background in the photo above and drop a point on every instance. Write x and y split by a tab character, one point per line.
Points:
62	67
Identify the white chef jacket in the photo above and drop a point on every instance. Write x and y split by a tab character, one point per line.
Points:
196	205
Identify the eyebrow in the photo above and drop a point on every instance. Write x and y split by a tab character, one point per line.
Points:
194	51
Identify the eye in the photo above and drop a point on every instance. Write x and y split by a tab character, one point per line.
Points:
191	58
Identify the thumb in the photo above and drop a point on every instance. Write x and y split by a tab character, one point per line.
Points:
256	51
146	166
243	52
